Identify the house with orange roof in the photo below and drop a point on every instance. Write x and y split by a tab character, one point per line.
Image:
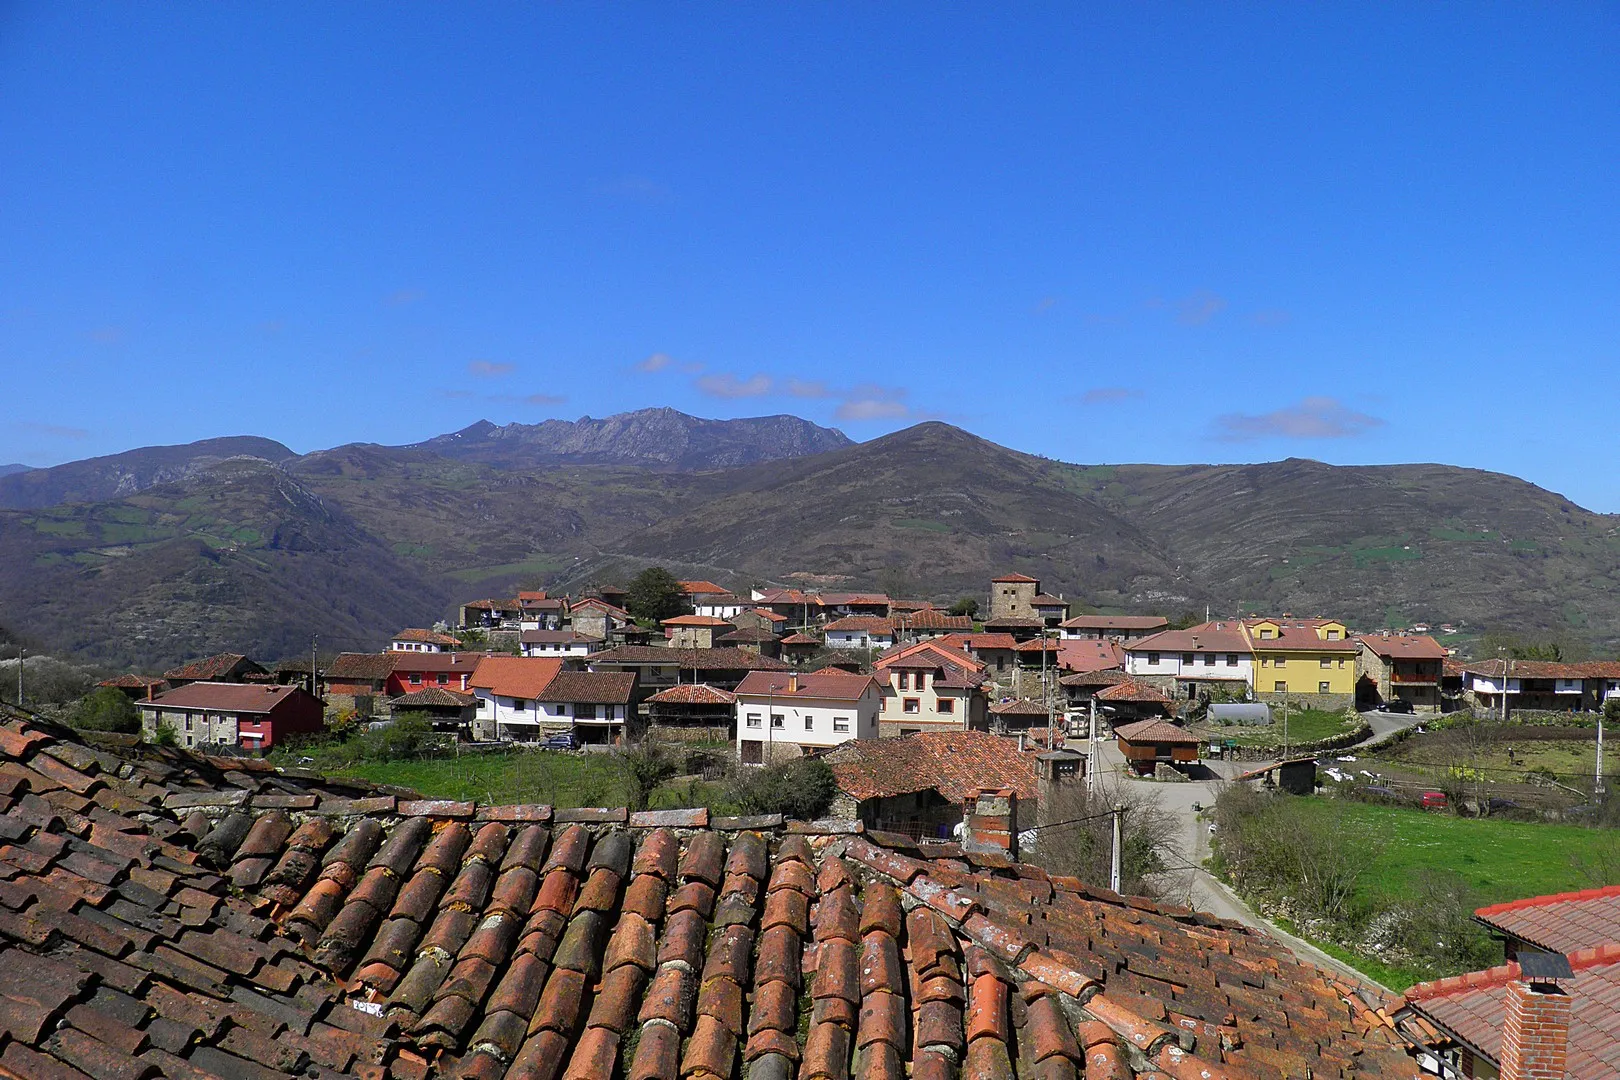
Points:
918	786
1213	656
1549	1011
929	687
508	689
694	631
859	632
595	617
1117	627
1399	667
788	714
415	639
1307	661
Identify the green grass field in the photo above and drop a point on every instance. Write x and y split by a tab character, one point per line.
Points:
1304	726
1500	860
534	776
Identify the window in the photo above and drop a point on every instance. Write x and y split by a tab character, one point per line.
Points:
1341	661
753	719
1153	658
1186	658
416	678
1209	659
1322	688
562	710
1231	659
1265	661
912	705
520	703
1333	635
1267	635
919	680
809	722
584	712
1279	661
1327	661
840	723
444	680
778	720
1280	687
944	705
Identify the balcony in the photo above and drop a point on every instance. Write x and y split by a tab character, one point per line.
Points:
1410	678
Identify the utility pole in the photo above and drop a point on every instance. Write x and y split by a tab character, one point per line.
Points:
314	666
1091	758
1507	670
1285	728
1597	788
1113	874
21	653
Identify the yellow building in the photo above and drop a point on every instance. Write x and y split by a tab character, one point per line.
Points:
1308	661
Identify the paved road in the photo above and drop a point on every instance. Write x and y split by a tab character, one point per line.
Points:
1196	885
1383	724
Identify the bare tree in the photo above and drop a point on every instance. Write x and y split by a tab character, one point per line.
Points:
1078	839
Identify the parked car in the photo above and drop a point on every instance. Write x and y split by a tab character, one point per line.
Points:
565	741
1396	706
1435	800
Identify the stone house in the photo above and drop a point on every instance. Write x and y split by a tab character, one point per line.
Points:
1012	596
247	716
1399	667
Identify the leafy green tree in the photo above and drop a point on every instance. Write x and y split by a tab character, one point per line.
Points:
967	605
165	735
655	594
802	788
409	735
107	709
642	766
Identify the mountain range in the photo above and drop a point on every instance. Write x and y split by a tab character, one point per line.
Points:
151	556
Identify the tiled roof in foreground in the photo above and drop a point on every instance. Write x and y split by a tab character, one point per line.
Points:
246	932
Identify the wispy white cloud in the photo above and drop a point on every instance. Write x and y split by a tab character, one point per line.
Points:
402	297
55	431
727	385
1109	395
801	388
1312	418
872	402
1199	308
656	362
489	369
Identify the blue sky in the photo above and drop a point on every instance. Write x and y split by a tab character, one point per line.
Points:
1144	232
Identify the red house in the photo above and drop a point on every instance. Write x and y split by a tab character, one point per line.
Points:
417	671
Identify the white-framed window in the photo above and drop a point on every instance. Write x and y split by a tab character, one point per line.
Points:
809	722
1153	658
754	719
1231	659
778	720
840	723
1327	661
1322	688
1280	687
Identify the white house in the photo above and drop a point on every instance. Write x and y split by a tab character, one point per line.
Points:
723	606
1180	661
558	643
783	712
592	705
508	689
860	632
417	640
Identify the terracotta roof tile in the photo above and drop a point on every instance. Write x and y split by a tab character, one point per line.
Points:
954	763
489	949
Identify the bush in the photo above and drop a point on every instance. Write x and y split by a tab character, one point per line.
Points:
409	735
642	766
801	789
1311	863
107	709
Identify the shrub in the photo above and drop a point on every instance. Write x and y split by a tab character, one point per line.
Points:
107	709
802	789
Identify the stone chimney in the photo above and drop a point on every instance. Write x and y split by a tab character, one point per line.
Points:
988	817
1535	1032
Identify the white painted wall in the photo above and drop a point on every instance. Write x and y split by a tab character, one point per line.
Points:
808	722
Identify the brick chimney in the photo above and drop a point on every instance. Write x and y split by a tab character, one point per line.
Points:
1535	1033
988	817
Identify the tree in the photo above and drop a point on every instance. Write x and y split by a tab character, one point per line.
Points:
642	766
107	709
1079	842
967	605
655	594
801	789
